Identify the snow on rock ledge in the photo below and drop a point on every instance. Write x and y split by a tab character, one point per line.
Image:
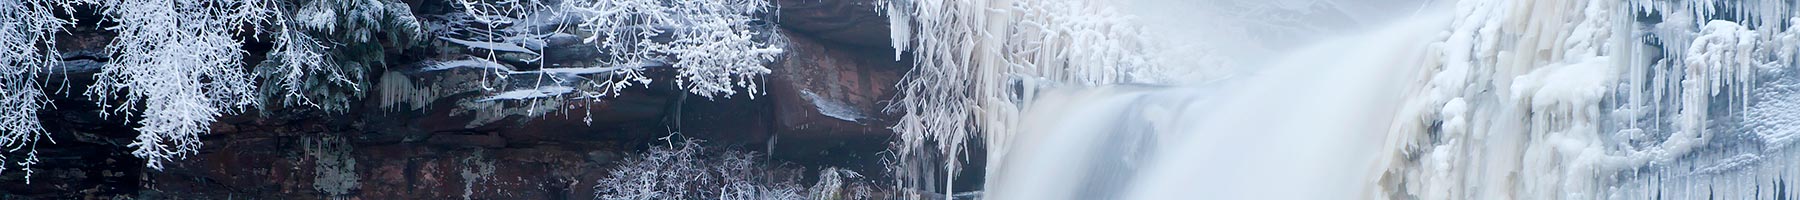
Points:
821	88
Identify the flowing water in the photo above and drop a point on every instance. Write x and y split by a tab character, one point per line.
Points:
1294	125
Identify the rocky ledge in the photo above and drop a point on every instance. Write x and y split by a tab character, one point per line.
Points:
823	108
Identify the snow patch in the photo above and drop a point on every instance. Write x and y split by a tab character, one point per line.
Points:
1734	162
539	92
470	63
1573	84
833	109
496	46
1776	119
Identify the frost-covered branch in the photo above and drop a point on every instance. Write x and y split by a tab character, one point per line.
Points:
27	50
178	65
173	63
714	46
324	49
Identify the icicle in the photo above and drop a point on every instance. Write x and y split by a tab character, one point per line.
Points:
899	27
397	89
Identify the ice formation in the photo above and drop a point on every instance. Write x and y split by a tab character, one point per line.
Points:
334	165
1588	107
977	62
1527	99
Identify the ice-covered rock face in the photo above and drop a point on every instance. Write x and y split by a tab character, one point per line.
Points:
1601	99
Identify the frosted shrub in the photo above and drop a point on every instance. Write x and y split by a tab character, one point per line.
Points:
686	170
835	183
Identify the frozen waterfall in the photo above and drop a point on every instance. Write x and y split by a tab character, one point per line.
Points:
1468	99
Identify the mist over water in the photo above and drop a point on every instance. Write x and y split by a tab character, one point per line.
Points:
1249	34
1311	118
